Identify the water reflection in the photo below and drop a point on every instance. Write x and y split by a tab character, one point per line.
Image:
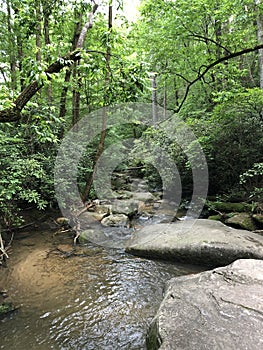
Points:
107	304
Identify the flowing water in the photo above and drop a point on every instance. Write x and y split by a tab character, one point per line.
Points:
100	299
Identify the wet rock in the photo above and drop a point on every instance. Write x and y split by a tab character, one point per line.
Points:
241	220
127	207
218	309
117	220
103	209
93	235
203	242
108	237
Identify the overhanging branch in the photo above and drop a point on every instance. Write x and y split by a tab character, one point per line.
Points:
212	65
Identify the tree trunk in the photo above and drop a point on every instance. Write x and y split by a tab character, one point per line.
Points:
165	100
38	32
76	73
76	94
47	41
154	99
11	50
20	53
260	41
63	97
105	113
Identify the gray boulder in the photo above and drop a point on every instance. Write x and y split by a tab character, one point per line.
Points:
218	309
203	242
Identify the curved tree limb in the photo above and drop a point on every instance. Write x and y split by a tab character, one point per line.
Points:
212	65
14	114
206	40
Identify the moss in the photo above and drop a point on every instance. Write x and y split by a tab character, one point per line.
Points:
215	217
153	341
226	207
241	220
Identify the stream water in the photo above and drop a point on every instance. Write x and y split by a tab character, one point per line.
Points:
100	299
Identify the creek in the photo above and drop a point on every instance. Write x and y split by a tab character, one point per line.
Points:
100	298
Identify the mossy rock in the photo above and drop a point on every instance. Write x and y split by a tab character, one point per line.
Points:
215	217
226	207
241	220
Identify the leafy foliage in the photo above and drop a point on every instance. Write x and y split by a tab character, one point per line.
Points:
174	39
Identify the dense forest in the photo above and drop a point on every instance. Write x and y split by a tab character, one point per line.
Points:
63	59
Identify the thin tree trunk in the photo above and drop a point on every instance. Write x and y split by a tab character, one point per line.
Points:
20	53
63	97
47	41
11	50
100	148
260	41
154	99
38	32
76	94
165	101
76	73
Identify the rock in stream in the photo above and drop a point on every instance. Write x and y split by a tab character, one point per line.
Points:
218	309
203	242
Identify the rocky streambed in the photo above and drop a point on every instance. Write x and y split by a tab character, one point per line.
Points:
105	292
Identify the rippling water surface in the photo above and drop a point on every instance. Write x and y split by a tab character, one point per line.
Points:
106	301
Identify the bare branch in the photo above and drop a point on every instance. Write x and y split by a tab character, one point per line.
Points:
212	65
206	39
86	27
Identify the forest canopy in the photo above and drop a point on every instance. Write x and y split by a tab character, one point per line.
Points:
62	59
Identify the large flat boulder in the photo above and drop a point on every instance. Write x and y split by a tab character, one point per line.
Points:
218	309
204	242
